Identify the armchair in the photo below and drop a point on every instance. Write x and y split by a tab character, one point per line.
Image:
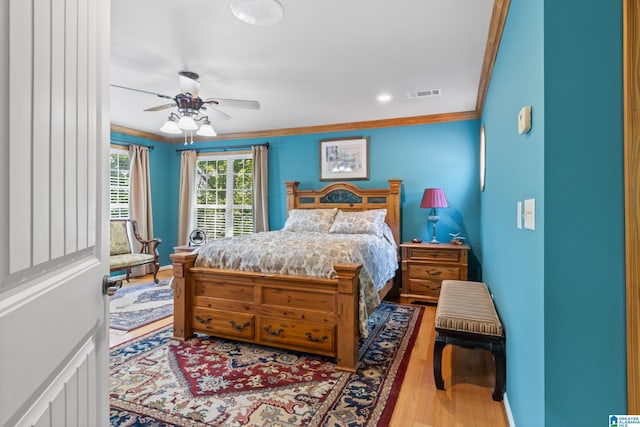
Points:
122	255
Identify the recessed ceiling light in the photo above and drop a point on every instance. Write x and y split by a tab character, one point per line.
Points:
384	97
257	12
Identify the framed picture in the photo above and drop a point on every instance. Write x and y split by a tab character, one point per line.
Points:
483	157
344	158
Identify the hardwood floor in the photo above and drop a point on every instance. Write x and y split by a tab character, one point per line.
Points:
468	377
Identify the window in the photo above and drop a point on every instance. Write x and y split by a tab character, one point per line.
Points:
119	183
224	195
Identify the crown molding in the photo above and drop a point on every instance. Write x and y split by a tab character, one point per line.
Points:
139	133
337	127
496	28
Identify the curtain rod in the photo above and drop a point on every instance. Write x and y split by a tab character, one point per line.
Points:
226	147
127	143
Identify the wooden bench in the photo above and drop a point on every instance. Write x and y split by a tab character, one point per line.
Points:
466	317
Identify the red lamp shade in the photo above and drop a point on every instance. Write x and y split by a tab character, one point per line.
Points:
434	198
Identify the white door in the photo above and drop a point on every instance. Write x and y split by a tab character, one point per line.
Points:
54	134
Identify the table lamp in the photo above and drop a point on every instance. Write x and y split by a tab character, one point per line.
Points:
434	198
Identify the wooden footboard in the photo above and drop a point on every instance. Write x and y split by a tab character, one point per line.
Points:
314	315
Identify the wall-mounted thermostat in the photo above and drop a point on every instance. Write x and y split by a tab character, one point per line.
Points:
524	120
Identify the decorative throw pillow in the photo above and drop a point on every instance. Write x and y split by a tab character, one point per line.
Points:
361	222
318	220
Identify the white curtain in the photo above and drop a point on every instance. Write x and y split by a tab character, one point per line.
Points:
187	195
140	199
260	188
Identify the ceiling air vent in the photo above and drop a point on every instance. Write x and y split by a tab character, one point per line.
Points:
423	93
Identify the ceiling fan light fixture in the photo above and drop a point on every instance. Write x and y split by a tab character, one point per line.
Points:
187	123
170	126
257	12
206	130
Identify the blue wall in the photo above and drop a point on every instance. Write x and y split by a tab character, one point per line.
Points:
560	288
513	259
584	195
438	155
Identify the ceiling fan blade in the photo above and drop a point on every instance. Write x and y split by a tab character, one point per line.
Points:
143	91
210	109
161	107
235	103
189	84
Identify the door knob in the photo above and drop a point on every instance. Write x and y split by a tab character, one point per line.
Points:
109	287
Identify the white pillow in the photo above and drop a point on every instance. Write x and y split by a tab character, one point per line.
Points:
318	220
361	222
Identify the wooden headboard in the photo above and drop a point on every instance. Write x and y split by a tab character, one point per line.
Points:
348	197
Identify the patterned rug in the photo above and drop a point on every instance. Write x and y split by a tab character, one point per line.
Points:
139	305
158	381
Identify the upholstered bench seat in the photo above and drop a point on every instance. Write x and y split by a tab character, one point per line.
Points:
123	261
467	317
467	307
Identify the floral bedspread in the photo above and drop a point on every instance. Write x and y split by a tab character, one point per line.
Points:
308	254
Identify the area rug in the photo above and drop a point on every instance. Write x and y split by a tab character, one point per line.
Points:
140	305
158	381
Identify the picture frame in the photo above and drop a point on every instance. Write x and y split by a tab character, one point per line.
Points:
483	157
344	159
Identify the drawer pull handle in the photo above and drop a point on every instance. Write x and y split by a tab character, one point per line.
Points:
434	272
237	327
205	320
271	332
312	339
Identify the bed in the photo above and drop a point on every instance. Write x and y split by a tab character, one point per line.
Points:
319	315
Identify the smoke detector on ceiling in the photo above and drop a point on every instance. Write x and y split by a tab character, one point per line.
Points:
424	93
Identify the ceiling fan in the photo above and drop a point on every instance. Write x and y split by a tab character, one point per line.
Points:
193	110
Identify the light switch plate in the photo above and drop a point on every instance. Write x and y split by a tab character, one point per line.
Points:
519	214
530	214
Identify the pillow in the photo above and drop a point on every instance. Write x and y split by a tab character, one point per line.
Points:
318	220
362	222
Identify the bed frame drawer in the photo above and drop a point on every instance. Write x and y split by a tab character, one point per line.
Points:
304	336
224	323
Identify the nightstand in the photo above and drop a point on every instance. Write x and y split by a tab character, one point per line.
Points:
426	265
184	249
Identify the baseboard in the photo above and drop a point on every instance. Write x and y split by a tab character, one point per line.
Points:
507	409
166	267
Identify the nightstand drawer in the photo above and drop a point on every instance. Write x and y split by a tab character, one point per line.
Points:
430	288
432	272
439	255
